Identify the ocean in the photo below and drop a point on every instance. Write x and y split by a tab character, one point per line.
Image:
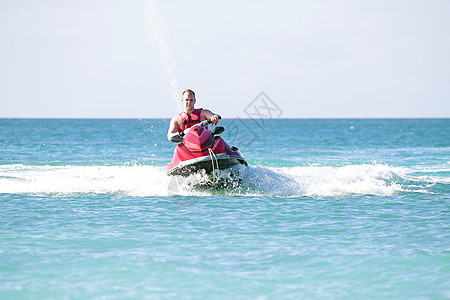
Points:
327	209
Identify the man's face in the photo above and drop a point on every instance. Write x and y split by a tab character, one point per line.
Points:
188	101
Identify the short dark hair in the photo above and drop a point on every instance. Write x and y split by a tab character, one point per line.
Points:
188	91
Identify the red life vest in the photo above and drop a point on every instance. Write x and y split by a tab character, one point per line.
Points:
187	121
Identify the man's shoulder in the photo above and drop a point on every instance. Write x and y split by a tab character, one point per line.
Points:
206	111
174	119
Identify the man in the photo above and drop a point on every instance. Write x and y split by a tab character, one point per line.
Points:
189	117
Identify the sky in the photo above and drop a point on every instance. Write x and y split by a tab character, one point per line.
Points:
310	59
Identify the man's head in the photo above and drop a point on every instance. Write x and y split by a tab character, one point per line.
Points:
188	99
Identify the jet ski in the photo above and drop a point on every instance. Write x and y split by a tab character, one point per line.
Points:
202	149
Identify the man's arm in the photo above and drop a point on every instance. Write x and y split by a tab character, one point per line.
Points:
209	115
172	133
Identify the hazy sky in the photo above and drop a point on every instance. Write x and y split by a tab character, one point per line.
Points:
124	58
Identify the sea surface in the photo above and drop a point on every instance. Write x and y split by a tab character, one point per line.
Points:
327	209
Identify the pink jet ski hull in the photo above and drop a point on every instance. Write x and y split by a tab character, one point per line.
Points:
201	150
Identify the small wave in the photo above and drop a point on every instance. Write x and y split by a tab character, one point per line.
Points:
141	180
437	174
69	180
317	181
364	179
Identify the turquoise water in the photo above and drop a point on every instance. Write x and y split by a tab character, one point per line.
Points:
327	209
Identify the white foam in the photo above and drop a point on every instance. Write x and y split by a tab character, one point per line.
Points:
433	174
68	180
364	179
141	180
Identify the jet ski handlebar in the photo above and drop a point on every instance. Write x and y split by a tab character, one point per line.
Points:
203	124
207	122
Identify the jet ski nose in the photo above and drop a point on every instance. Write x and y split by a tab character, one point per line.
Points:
198	139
